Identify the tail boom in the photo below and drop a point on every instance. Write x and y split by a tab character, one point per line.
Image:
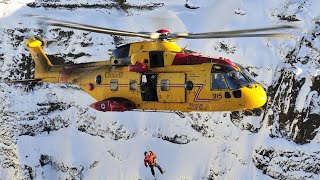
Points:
44	69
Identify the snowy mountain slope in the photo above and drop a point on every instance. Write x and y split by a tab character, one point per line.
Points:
48	131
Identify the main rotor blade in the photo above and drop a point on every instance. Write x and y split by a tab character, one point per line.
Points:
242	31
60	23
207	36
171	36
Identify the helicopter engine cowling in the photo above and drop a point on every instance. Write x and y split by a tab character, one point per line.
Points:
114	104
120	61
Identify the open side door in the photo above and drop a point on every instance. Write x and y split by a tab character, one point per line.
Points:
149	87
171	87
156	59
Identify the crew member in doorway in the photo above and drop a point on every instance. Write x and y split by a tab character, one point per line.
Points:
151	160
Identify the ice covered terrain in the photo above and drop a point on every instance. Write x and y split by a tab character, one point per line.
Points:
48	131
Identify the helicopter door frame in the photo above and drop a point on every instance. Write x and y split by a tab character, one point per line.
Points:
148	87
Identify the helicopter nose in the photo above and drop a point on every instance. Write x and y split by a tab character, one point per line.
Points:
262	99
256	96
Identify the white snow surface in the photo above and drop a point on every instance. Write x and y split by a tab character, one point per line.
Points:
227	149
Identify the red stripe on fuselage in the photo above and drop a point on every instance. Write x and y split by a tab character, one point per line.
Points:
196	97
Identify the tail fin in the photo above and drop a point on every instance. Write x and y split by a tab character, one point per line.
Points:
43	67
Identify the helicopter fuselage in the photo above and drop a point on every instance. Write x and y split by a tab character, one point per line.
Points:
156	76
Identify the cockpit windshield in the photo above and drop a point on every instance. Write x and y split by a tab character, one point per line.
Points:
223	78
247	75
235	80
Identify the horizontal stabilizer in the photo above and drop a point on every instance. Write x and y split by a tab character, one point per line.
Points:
23	81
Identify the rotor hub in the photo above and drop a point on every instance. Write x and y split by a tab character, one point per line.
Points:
163	31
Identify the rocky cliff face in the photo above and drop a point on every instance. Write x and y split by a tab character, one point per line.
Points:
280	140
294	99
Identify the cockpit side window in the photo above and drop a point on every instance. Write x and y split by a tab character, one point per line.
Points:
218	82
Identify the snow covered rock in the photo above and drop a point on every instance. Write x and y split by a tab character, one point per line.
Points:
48	131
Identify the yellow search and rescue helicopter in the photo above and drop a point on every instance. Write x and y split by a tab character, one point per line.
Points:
157	75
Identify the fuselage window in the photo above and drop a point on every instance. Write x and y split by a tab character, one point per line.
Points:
114	85
236	80
133	85
98	79
218	82
164	85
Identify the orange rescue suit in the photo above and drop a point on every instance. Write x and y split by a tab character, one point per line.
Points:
150	159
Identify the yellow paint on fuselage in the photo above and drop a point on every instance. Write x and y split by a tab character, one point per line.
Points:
147	46
177	98
207	100
139	52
